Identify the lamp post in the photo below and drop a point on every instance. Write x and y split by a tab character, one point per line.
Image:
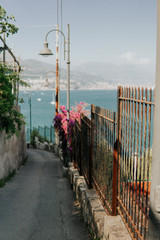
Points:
30	113
47	52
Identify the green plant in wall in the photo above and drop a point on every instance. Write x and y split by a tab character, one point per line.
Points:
11	119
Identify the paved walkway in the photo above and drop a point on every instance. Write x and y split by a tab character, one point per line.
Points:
38	203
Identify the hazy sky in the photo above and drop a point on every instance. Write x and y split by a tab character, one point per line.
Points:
101	30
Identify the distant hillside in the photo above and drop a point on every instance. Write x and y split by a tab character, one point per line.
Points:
90	75
35	68
119	73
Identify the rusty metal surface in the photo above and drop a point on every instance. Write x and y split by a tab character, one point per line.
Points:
76	146
85	147
136	123
114	153
104	134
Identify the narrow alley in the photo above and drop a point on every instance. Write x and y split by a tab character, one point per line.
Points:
38	203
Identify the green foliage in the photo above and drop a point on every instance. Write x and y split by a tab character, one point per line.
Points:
5	25
11	119
35	134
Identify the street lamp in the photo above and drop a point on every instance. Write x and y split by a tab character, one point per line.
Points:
47	84
47	52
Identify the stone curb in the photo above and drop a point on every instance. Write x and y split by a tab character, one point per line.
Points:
103	226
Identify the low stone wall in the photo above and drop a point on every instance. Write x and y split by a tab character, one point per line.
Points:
103	226
43	146
12	152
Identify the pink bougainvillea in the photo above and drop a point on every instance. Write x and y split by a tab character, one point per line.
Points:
65	125
75	114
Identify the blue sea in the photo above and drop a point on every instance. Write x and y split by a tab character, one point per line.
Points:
42	111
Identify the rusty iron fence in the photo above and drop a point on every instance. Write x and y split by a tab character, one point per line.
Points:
104	136
47	132
76	146
86	149
114	153
135	130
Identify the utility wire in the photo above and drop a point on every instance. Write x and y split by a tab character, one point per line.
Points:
37	26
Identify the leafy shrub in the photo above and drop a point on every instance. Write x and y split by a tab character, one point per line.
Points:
11	120
35	134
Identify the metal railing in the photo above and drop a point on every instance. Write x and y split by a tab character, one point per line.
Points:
76	146
135	130
86	149
113	152
104	136
48	133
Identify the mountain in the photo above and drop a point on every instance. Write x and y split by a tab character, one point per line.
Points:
90	75
34	68
130	74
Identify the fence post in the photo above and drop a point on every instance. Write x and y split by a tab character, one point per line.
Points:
114	190
91	147
50	133
81	141
74	145
45	132
119	110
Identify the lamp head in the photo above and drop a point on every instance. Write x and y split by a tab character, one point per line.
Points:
47	84
46	51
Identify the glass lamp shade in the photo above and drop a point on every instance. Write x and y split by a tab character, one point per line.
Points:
45	51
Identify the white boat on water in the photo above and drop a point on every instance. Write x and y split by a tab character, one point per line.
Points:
39	99
53	101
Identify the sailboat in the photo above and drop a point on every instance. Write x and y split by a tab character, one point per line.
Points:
53	100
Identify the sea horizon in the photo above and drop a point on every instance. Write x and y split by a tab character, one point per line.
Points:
42	111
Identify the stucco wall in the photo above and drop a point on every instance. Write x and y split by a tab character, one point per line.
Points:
12	152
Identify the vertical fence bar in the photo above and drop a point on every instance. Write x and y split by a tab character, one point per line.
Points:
135	158
144	162
141	165
119	135
51	134
44	131
81	153
123	171
115	168
91	147
138	151
127	152
149	159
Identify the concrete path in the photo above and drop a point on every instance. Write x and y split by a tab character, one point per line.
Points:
38	203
